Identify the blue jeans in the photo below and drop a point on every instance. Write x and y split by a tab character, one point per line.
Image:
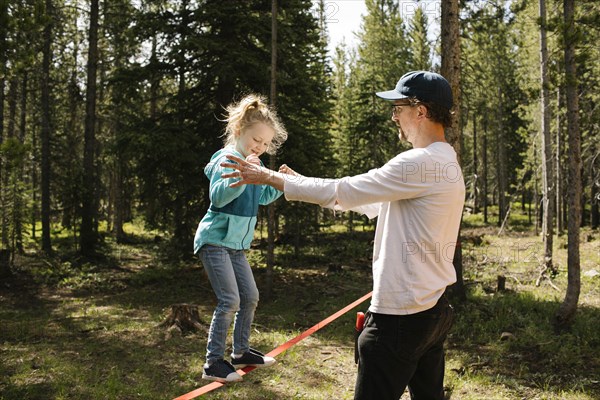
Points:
233	283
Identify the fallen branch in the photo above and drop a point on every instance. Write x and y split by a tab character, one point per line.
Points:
542	276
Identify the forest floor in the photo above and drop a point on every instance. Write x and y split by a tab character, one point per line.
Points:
73	330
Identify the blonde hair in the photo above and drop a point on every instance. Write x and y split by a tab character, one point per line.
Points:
250	110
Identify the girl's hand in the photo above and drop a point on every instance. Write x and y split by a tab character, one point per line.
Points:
284	169
253	159
247	172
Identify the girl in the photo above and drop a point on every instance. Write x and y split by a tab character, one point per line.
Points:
227	230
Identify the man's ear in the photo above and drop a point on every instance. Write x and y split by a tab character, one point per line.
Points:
422	111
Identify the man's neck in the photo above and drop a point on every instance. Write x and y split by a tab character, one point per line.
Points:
429	134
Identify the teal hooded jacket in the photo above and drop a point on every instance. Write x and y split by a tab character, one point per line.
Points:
231	217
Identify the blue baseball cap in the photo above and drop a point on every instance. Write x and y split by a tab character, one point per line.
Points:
426	86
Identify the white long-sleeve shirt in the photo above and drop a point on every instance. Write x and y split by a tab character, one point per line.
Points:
418	196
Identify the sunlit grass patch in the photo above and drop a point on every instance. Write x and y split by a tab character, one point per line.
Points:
90	330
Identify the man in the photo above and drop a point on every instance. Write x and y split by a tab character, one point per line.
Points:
418	196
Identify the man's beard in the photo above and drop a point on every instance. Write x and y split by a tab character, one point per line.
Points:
401	133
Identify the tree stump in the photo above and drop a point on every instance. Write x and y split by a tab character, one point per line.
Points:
183	319
501	285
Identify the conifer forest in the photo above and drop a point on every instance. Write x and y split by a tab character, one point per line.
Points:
110	110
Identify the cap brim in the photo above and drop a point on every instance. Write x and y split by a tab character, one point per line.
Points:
391	95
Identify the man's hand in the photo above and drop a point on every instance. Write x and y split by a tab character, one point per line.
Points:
248	172
284	169
253	159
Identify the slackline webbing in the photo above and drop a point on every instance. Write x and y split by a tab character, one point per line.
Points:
215	385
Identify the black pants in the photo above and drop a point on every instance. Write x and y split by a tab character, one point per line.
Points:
396	351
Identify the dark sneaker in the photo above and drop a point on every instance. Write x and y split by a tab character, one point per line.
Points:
221	371
252	358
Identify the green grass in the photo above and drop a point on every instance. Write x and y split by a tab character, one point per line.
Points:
72	330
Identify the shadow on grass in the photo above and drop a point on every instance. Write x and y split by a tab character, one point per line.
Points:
534	356
103	343
38	390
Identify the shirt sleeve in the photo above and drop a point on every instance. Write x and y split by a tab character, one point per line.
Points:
220	193
401	178
269	194
370	210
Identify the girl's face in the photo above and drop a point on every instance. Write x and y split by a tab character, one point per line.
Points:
255	139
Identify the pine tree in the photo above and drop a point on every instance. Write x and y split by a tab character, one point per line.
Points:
46	126
546	145
271	223
304	105
122	94
88	237
383	57
452	72
419	44
4	24
566	313
342	118
489	60
219	53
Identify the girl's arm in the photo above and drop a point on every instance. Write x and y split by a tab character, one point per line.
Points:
269	194
221	190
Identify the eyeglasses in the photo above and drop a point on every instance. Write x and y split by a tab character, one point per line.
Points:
397	107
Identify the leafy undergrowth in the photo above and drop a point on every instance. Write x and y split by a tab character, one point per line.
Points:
73	330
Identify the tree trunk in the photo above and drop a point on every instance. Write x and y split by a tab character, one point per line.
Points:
34	182
271	207
154	82
119	204
4	17
535	193
475	167
547	165
559	195
451	71
501	159
21	173
451	66
70	213
566	313
8	205
565	201
484	174
583	219
297	235
350	223
179	224
88	213
5	271
46	129
2	172
529	207
99	128
595	211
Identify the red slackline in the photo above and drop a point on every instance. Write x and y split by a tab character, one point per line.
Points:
215	385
